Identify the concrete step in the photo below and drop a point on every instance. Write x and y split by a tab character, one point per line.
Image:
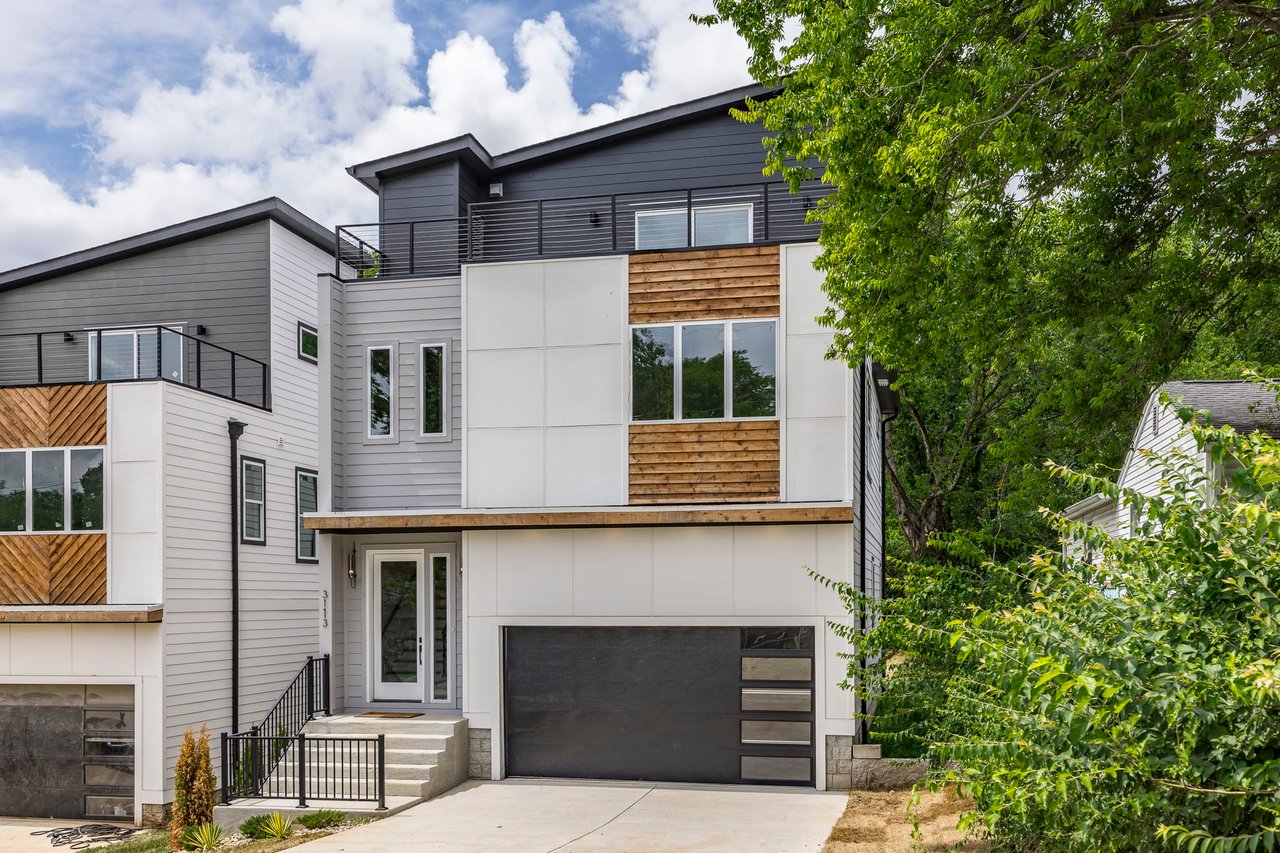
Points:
319	786
351	725
287	769
230	817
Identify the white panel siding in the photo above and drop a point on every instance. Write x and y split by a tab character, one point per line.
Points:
135	518
279	603
547	378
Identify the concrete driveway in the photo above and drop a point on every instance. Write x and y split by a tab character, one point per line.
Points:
621	817
16	837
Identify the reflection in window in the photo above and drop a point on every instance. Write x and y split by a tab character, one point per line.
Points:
754	370
307	500
379	391
433	389
721	226
661	229
653	368
253	497
702	371
13	491
440	627
86	490
48	479
133	354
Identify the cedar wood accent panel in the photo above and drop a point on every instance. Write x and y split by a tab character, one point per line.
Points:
704	462
53	416
704	284
55	568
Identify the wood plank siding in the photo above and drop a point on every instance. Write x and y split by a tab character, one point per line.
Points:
704	284
704	462
55	568
53	416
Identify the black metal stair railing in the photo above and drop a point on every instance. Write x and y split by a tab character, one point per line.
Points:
276	759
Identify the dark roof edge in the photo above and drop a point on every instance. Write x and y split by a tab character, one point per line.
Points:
468	147
268	208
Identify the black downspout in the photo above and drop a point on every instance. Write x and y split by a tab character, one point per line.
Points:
862	546
235	429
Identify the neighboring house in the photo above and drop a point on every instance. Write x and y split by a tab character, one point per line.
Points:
1245	406
584	442
120	369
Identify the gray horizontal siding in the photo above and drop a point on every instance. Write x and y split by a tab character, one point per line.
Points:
407	472
219	281
428	193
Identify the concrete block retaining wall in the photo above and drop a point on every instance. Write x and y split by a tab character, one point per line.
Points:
859	767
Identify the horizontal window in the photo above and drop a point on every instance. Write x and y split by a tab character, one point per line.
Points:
777	669
764	699
704	371
777	639
713	225
135	353
51	491
771	768
779	732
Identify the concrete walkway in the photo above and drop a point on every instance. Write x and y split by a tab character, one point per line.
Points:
16	837
621	817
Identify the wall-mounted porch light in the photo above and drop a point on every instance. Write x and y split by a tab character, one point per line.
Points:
201	330
69	338
495	190
351	567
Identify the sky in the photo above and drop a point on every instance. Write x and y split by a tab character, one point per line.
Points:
120	116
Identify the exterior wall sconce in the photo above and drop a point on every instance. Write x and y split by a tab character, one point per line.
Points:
495	190
201	330
351	568
67	337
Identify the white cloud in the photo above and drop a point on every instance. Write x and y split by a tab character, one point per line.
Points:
348	89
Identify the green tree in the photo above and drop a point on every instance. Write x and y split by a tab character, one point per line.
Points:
1043	204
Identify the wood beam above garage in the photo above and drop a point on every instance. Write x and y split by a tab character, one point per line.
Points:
837	513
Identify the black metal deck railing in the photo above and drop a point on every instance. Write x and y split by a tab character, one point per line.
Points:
134	354
526	229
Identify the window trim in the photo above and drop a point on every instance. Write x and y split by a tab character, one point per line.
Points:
367	406
298	474
678	363
262	463
446	392
691	227
95	371
301	355
29	518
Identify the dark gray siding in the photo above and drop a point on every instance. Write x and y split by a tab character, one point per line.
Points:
712	151
429	193
472	187
220	281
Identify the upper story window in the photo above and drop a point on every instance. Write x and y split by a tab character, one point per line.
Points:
253	501
51	491
306	498
434	390
308	343
718	225
380	390
135	354
704	371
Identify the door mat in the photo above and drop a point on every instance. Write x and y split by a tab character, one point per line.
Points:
390	715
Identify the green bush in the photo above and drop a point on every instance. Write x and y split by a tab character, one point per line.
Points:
322	819
203	838
252	827
277	826
1133	702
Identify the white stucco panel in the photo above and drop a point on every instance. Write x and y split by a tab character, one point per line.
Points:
586	301
505	388
504	306
505	467
585	466
817	453
804	297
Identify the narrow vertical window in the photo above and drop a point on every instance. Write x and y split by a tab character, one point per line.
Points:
306	500
755	370
48	490
434	365
13	491
439	627
308	343
653	373
253	501
702	377
86	490
380	390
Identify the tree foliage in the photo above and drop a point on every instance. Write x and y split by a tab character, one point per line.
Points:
1044	203
1133	701
194	788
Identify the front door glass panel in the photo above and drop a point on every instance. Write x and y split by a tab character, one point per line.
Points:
398	597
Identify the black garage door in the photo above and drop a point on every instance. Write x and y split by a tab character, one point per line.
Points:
660	704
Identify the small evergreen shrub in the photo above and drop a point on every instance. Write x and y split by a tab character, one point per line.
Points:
253	827
323	819
203	838
193	787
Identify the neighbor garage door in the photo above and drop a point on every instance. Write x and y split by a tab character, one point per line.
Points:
660	704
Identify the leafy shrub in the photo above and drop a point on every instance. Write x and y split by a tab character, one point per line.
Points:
277	826
1134	702
252	827
202	838
322	819
193	787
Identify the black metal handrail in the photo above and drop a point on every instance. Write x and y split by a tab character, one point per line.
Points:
306	697
349	769
571	226
76	356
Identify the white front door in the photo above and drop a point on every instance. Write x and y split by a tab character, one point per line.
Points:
412	626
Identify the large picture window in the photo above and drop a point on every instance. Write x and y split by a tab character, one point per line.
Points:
704	371
51	491
133	354
433	370
253	501
381	390
713	225
306	499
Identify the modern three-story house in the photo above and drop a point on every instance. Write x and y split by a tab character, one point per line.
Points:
158	442
581	448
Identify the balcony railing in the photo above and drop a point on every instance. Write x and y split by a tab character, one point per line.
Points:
134	354
581	226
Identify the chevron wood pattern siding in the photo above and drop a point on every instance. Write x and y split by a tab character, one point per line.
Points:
704	284
719	462
53	416
56	568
